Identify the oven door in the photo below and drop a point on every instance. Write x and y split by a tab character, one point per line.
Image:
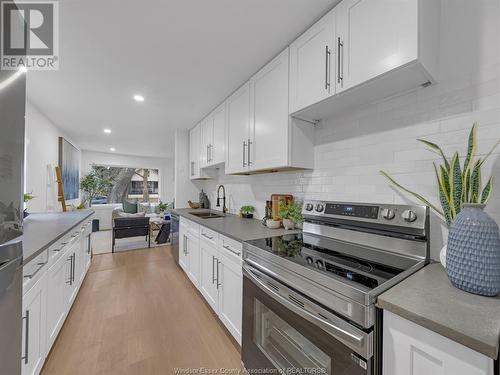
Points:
285	331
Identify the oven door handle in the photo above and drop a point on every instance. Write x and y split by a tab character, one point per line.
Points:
357	341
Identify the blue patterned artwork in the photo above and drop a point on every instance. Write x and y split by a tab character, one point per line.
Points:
69	162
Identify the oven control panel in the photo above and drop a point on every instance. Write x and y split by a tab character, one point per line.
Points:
387	214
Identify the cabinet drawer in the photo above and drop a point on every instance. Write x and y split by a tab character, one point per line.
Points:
209	236
230	247
33	270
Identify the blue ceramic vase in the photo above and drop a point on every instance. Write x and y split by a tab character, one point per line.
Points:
473	253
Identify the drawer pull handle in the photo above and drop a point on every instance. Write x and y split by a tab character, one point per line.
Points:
206	236
37	270
231	250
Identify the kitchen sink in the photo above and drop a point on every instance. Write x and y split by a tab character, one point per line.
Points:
206	215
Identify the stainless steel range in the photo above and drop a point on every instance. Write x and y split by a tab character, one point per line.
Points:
309	298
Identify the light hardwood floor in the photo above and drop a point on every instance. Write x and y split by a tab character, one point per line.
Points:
137	313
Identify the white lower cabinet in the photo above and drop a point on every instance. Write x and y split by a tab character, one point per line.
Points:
230	281
208	275
193	249
34	323
57	297
409	349
213	263
49	290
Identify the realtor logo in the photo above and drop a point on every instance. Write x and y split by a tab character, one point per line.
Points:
29	35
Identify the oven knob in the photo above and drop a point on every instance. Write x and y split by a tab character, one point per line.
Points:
309	260
388	214
409	216
319	264
320	207
309	206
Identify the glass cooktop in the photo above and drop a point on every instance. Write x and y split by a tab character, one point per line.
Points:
351	262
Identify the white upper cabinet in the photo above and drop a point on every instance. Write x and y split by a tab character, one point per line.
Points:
213	129
311	64
374	37
194	151
268	147
237	130
218	146
260	134
372	50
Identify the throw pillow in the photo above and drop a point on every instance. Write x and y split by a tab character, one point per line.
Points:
129	207
144	207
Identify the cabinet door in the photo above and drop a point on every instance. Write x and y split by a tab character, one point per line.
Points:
208	280
207	135
57	299
218	146
411	349
193	252
194	151
269	115
237	134
183	257
312	64
230	279
34	324
374	37
73	266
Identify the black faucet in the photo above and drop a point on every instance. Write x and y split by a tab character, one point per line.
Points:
224	208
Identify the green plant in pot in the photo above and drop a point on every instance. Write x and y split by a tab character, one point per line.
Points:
472	254
27	197
247	212
162	207
290	213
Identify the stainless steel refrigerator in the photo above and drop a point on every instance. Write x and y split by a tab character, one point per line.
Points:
12	111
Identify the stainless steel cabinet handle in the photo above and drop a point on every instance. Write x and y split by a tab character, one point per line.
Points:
244	153
26	337
208	156
327	68
340	62
70	281
218	283
74	266
249	143
192	168
213	269
206	236
37	270
231	250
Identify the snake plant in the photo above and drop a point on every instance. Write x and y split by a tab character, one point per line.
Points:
457	184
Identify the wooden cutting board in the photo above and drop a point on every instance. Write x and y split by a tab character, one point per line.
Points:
276	199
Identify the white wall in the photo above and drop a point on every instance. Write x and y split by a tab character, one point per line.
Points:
185	189
42	156
351	147
164	165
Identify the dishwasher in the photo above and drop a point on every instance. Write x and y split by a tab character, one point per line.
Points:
174	236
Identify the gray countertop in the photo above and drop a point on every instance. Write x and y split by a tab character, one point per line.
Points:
428	299
40	230
234	226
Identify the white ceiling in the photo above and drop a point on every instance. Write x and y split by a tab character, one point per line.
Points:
183	56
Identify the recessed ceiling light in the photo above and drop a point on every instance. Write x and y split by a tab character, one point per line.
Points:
112	149
107	131
138	98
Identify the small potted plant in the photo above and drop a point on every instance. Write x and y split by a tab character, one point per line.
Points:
162	208
290	213
247	212
27	197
